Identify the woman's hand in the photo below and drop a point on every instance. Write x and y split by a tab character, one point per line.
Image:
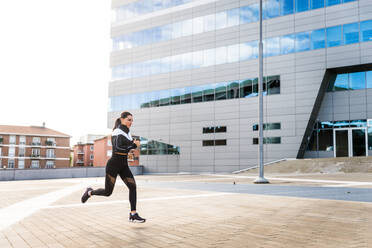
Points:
137	142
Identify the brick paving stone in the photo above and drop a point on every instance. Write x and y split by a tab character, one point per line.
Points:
235	220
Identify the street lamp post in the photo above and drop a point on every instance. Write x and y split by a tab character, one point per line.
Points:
261	178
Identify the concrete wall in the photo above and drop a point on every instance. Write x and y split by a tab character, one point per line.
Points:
34	174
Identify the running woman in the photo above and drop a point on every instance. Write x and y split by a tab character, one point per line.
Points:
122	143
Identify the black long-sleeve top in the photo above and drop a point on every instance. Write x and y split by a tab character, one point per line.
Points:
122	140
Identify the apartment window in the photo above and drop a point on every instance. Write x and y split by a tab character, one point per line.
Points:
21	151
91	148
50	142
35	164
0	154
21	164
1	139
11	163
35	153
36	141
50	153
22	140
12	139
49	164
11	151
208	129
267	126
91	157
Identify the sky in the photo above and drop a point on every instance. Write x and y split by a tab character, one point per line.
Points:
54	64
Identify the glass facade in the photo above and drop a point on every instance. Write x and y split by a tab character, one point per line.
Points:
299	42
143	7
352	81
195	94
321	138
152	147
220	20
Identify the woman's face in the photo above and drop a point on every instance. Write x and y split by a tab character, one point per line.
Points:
127	121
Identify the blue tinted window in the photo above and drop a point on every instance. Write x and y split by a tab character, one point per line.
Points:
357	80
316	4
346	1
366	30
197	93
221	20
302	5
208	93
342	82
249	13
249	50
233	53
334	36
209	23
233	17
333	2
369	79
302	41
271	47
287	44
318	39
271	9
286	7
351	33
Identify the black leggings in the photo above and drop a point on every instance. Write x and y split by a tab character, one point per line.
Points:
118	165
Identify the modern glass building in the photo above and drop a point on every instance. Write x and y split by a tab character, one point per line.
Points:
188	72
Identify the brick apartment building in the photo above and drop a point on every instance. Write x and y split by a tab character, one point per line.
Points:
33	147
102	152
84	150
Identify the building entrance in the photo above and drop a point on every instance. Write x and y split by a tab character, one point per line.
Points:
350	142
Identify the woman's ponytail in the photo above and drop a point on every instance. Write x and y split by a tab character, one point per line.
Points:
117	123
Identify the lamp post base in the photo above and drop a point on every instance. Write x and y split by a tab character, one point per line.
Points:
261	180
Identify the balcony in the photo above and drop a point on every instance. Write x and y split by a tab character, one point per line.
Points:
51	156
50	143
35	155
21	155
80	152
35	144
80	161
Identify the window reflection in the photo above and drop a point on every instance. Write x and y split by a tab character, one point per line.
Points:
302	42
318	39
357	80
249	14
245	51
287	44
351	33
334	36
302	5
316	4
286	7
366	30
220	20
271	9
199	93
342	82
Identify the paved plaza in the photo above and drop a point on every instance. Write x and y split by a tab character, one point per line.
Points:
294	210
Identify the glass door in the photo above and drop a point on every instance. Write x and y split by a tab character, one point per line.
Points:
359	142
342	143
350	142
